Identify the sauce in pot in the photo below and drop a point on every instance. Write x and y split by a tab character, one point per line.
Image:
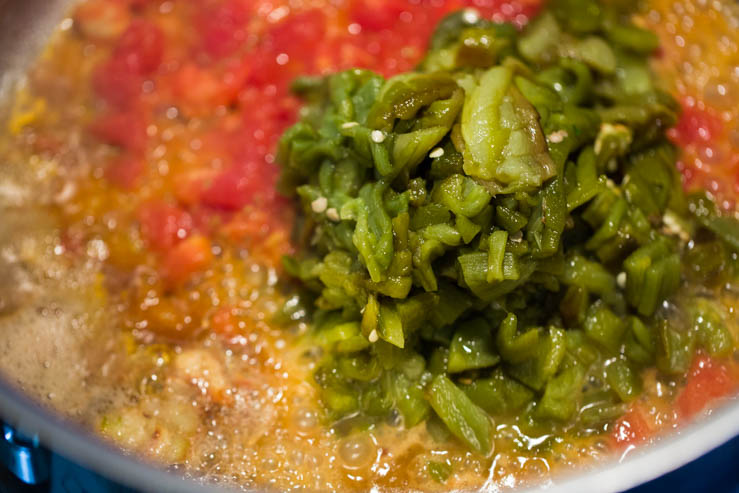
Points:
159	121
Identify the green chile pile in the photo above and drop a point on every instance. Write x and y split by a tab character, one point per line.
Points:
502	232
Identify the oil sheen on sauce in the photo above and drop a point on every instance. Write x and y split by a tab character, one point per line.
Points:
159	121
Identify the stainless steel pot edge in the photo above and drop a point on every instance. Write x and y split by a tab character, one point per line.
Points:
25	27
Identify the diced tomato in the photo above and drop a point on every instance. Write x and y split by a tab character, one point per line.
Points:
298	32
189	187
241	185
125	171
274	247
163	225
126	129
187	258
101	19
250	137
204	220
140	48
200	90
261	126
223	27
516	11
224	322
708	380
116	85
350	52
231	190
376	15
266	69
252	224
197	87
265	233
139	4
296	37
632	428
696	125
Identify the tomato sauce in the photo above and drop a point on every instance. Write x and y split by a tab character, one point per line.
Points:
701	36
163	118
230	64
187	102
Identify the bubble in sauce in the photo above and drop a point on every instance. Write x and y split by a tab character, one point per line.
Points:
356	451
305	419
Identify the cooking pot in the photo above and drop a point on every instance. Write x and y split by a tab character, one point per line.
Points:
25	27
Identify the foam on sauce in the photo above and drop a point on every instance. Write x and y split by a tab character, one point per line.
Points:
159	171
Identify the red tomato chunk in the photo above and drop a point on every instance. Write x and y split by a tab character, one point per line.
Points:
164	225
140	48
124	129
632	428
189	257
708	381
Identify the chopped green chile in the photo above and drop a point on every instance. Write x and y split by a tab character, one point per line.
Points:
640	342
501	232
464	418
580	16
592	276
632	38
550	351
652	275
710	327
409	399
581	348
439	471
561	395
439	360
390	325
623	379
499	394
403	96
472	347
707	262
539	42
604	327
574	306
725	227
596	52
511	220
461	195
467	228
675	346
595	415
373	235
504	145
572	79
514	347
496	255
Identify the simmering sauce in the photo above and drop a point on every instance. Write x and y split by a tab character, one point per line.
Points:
158	122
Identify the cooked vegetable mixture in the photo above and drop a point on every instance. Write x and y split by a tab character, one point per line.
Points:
387	245
503	231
